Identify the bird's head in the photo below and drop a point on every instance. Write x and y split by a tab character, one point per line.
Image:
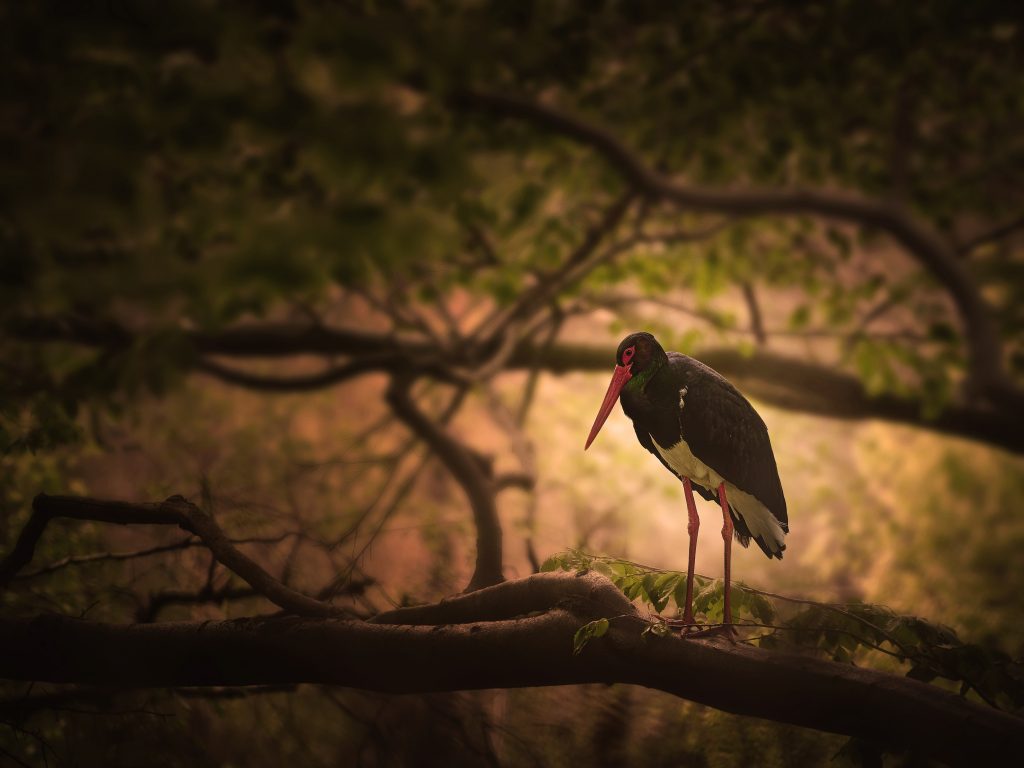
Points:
638	356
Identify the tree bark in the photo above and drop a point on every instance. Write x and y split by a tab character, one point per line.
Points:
444	648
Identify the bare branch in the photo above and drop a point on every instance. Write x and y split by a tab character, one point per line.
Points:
45	508
520	444
397	497
174	511
100	557
113	557
555	325
756	323
998	233
329	377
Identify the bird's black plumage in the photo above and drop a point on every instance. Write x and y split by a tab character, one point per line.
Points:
720	427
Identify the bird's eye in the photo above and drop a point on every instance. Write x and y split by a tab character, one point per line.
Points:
628	355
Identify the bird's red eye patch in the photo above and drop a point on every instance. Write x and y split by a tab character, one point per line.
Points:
628	354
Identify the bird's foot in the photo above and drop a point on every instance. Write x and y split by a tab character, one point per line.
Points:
696	632
686	625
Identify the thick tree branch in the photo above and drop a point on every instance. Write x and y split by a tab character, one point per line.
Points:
174	511
794	384
481	649
783	381
921	242
329	377
518	598
786	382
524	481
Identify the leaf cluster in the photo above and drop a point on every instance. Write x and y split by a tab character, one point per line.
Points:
848	633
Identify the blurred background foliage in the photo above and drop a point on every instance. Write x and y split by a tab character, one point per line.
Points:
173	172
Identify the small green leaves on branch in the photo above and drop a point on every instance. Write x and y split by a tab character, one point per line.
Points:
658	589
849	633
586	633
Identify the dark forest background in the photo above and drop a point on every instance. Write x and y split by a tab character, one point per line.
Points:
349	278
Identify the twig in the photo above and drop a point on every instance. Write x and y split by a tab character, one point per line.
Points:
756	322
557	319
997	233
98	557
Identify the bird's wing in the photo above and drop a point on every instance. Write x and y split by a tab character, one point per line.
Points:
728	435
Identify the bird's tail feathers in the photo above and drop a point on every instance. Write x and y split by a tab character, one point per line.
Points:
763	528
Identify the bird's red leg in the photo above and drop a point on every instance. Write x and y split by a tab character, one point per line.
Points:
727	528
692	529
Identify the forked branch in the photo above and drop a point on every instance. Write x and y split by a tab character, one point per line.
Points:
174	511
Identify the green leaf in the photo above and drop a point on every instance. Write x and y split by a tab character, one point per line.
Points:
586	633
662	588
554	563
632	585
710	601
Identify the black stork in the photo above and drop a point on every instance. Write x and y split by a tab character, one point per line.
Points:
707	434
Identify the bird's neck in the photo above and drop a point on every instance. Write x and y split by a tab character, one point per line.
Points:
637	383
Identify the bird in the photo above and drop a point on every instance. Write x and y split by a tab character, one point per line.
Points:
709	436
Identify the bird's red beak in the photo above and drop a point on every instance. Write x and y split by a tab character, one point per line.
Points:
619	379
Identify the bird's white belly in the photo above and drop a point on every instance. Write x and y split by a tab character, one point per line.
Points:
685	464
759	520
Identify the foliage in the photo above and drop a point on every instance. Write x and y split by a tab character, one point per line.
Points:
844	632
659	589
194	166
